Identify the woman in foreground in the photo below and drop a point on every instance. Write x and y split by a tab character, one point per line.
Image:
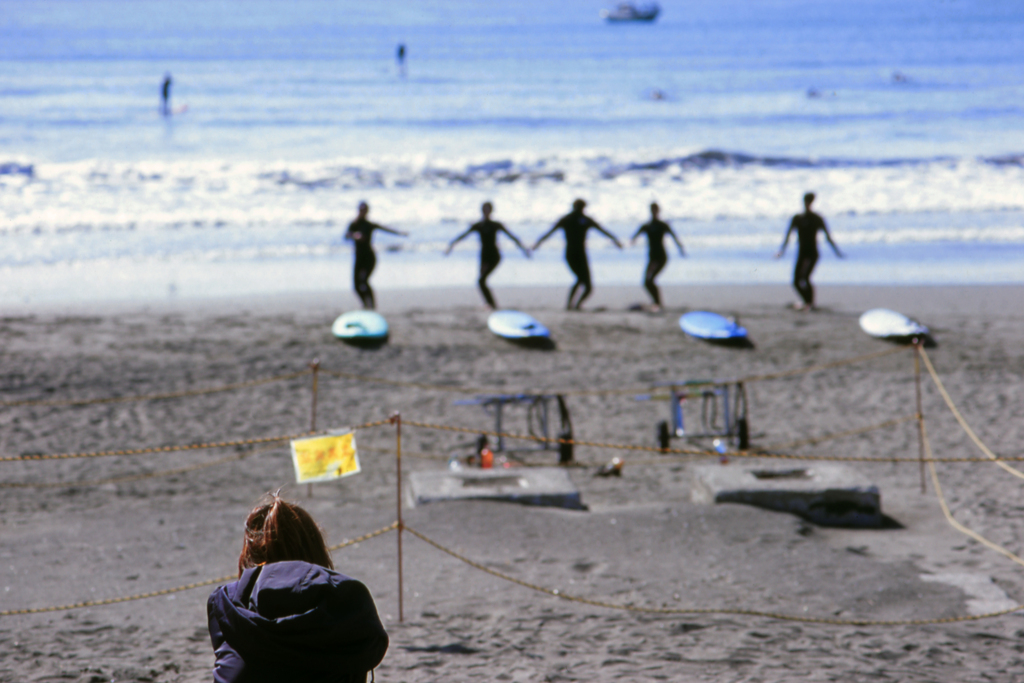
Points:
290	617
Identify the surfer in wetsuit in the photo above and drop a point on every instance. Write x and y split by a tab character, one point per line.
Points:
489	254
656	230
575	226
165	95
360	231
400	58
807	225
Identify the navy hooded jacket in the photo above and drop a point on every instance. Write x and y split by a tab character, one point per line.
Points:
294	621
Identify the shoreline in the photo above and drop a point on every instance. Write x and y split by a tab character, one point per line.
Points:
909	299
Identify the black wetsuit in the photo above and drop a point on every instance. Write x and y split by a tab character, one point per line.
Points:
165	95
366	260
656	256
575	226
807	226
490	257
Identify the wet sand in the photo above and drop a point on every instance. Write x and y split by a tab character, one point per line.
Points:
642	541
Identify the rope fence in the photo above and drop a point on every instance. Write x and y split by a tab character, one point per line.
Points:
963	422
176	448
928	457
137	477
154	397
176	589
554	592
369	379
689	452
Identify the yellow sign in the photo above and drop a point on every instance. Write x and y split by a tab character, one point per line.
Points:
323	458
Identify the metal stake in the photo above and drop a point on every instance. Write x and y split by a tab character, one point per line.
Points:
315	367
920	414
397	420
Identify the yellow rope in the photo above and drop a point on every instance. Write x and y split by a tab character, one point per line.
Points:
963	423
752	453
134	477
599	392
153	397
839	435
176	589
949	515
554	592
171	449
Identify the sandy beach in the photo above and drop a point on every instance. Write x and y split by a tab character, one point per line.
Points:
641	542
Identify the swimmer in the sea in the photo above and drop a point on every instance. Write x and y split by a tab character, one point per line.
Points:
360	231
575	226
806	225
656	230
489	255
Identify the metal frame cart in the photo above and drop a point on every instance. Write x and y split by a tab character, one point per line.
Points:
725	400
538	410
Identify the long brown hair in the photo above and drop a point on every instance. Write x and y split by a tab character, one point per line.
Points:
278	531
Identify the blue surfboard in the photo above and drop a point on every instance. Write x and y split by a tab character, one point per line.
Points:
361	327
713	327
519	327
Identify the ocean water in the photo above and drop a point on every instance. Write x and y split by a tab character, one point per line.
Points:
906	119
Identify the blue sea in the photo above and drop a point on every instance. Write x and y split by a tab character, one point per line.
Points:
906	119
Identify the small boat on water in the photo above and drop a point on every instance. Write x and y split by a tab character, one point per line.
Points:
627	11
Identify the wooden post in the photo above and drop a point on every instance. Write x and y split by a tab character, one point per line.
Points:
397	419
920	414
315	367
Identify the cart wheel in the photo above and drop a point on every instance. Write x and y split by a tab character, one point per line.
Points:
565	455
743	431
663	435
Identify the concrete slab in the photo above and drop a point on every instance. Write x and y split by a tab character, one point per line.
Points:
828	494
546	486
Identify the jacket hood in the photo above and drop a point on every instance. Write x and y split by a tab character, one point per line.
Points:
296	616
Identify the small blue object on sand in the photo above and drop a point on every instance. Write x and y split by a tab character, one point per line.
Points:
881	323
361	328
713	327
519	327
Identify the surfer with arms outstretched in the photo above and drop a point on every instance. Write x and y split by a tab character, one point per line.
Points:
360	231
575	226
656	229
806	225
489	255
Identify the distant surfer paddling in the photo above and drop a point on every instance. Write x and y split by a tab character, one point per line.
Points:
575	226
806	225
656	229
489	255
360	231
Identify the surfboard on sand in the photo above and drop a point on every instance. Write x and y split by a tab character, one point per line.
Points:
714	328
521	328
361	328
882	323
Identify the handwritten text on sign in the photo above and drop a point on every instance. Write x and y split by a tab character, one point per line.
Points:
323	458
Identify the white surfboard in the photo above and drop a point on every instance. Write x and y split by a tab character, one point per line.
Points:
516	325
882	323
365	327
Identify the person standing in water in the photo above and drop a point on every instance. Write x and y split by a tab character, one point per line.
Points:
360	231
165	95
806	225
400	58
656	230
575	225
489	255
